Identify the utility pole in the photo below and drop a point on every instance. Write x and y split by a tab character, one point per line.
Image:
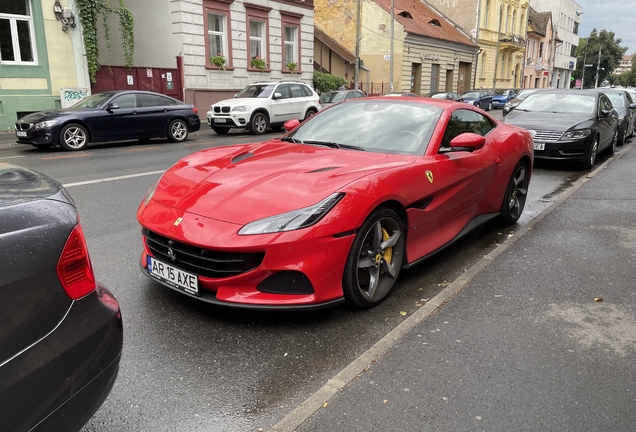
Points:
598	65
391	47
356	70
494	79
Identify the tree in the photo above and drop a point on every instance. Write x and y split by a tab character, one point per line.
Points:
588	53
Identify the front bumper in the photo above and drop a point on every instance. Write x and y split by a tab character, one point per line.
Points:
45	136
231	120
315	258
576	150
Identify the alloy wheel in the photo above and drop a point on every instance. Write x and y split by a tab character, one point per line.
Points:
75	137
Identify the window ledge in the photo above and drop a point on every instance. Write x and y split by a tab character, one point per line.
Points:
212	67
296	72
251	69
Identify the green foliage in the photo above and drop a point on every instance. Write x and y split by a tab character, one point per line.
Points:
219	61
588	52
292	67
89	12
324	82
258	63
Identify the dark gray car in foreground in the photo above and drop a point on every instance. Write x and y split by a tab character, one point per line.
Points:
568	124
60	332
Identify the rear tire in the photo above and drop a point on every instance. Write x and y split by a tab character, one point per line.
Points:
623	136
178	131
514	199
73	137
612	147
489	106
309	113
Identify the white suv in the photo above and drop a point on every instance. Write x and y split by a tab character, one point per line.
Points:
260	106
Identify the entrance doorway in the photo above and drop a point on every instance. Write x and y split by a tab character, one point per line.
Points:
416	78
463	81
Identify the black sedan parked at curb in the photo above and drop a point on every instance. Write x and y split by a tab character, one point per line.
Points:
568	125
109	116
61	332
626	110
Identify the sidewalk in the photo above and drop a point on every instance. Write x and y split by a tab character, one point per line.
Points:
519	343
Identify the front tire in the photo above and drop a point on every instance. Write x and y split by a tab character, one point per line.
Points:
375	259
514	199
591	159
259	123
73	137
178	131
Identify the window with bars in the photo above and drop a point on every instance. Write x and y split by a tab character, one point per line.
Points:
17	39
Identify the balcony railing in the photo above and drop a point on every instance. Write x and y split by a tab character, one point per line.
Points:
513	39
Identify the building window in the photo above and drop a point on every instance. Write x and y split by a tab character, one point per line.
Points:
514	21
17	40
257	39
487	12
291	45
507	29
522	25
258	20
540	50
218	43
483	66
575	29
434	78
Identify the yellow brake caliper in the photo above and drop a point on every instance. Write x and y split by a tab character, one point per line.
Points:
388	252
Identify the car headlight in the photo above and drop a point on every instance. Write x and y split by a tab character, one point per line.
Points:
576	134
293	220
151	192
45	124
242	108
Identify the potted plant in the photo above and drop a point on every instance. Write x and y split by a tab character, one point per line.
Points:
258	63
292	66
219	61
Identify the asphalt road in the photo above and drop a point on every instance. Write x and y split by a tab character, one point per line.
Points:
189	366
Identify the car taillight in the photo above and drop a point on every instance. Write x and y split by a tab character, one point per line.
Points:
196	111
74	267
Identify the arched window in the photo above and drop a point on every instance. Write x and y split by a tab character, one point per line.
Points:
522	26
514	20
486	13
483	65
506	29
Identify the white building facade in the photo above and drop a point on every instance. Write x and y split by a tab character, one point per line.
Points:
566	15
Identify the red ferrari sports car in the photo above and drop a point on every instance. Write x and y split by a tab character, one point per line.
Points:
333	210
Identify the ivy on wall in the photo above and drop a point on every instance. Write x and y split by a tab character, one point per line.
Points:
89	13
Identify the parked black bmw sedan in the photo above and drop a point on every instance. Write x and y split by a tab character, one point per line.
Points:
571	125
60	331
110	116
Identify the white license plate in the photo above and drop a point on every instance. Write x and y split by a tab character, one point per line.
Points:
173	276
218	120
21	134
539	146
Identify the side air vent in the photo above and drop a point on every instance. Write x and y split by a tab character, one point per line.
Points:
241	157
322	170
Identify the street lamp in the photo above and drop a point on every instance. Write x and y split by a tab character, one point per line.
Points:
598	65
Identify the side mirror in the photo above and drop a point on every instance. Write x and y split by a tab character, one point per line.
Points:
632	106
112	106
290	125
277	95
467	141
605	113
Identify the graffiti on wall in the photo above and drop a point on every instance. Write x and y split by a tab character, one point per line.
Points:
71	96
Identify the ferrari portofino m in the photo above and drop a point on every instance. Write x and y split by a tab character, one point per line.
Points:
332	211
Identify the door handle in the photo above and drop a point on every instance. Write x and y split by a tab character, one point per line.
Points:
135	112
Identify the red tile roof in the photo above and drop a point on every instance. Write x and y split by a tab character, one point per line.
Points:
421	23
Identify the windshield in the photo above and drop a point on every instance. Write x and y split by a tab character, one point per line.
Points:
501	92
256	91
382	126
93	101
331	97
559	103
524	94
471	95
439	95
616	99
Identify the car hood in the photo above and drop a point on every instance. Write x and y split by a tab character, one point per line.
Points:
44	115
240	101
21	185
240	184
500	98
547	121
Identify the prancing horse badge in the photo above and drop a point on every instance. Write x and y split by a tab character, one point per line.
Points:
429	175
178	221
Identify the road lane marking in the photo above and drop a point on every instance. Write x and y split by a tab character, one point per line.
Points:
66	157
142	149
10	157
108	179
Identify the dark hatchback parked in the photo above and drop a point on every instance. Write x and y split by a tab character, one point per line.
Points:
110	116
568	125
61	332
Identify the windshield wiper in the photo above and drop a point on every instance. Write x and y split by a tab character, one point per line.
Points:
290	139
335	145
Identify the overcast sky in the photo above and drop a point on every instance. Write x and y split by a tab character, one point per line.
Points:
611	15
